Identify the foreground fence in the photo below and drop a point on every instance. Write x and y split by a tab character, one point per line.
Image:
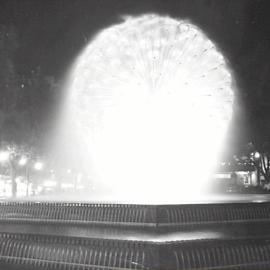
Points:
50	252
19	251
35	241
135	215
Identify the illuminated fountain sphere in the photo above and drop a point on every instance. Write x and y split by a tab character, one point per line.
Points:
150	100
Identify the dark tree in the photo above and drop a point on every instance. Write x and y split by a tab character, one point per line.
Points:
264	161
259	156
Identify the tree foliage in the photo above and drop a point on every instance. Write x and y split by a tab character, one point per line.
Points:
262	163
10	119
24	98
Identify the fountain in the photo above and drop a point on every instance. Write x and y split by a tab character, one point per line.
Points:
149	102
148	107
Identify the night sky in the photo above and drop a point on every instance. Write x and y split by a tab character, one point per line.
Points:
52	33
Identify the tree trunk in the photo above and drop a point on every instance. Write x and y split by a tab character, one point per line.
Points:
13	181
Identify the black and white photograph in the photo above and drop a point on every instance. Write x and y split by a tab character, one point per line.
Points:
134	134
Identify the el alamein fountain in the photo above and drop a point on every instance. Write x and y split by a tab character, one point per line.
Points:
150	100
148	107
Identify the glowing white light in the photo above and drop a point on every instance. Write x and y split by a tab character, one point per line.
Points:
151	98
257	155
4	156
49	183
66	185
38	166
22	161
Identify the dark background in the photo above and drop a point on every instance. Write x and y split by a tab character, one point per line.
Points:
50	34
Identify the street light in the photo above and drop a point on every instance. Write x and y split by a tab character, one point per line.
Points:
23	161
4	156
38	166
257	155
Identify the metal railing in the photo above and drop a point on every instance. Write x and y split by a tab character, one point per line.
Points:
50	252
217	254
55	252
78	213
204	214
134	215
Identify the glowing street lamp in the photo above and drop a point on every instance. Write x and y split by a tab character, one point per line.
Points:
4	156
23	161
257	155
38	166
